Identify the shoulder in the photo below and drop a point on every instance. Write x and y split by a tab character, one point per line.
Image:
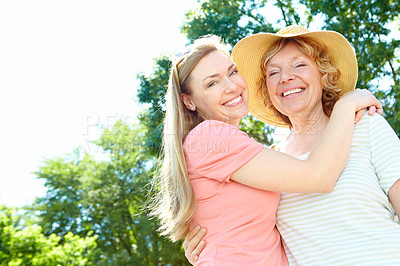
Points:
213	129
217	145
369	122
373	119
376	131
277	146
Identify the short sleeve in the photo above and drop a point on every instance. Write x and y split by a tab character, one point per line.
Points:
385	151
215	150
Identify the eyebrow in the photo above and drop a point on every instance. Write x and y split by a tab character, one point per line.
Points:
217	74
292	58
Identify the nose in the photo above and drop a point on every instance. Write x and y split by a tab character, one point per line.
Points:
286	75
230	86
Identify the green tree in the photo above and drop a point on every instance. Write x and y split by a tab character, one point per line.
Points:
151	91
27	245
232	20
106	196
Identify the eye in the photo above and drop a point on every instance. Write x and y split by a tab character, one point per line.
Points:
212	83
273	73
233	72
300	64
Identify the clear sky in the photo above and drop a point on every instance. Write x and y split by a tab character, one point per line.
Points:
67	65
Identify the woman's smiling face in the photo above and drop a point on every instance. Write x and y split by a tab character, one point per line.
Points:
217	89
293	82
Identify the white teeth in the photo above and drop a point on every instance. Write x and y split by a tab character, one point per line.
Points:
234	101
291	92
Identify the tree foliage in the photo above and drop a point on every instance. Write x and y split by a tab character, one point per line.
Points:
152	90
232	20
105	197
28	245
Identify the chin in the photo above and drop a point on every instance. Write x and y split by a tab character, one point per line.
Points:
293	110
244	114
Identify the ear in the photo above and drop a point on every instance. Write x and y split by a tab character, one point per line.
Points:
187	101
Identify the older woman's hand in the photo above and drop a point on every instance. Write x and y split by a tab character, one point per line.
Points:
194	244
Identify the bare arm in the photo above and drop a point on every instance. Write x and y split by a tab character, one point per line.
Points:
394	197
275	171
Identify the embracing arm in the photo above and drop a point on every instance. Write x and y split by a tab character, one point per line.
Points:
394	197
275	171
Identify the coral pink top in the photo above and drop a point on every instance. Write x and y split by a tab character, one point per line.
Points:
240	220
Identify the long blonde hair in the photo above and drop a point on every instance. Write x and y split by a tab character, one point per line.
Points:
175	202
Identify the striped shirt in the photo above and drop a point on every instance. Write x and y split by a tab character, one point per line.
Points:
355	224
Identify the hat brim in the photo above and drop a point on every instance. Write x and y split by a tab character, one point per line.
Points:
249	51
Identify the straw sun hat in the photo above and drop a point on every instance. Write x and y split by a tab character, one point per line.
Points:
248	53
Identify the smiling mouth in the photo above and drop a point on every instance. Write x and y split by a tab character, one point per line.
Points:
290	92
236	100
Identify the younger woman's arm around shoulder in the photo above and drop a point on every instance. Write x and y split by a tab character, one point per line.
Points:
394	197
275	171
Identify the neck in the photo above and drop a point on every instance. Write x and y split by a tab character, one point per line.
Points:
311	124
306	132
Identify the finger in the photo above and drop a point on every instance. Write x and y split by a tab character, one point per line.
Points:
191	243
195	241
188	252
198	250
185	244
359	115
192	233
378	108
372	110
189	237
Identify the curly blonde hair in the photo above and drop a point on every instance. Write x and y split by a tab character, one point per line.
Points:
317	52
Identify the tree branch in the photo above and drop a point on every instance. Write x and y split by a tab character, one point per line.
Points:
248	14
280	5
393	72
127	247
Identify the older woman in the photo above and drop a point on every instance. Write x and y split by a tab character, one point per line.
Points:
214	174
356	223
